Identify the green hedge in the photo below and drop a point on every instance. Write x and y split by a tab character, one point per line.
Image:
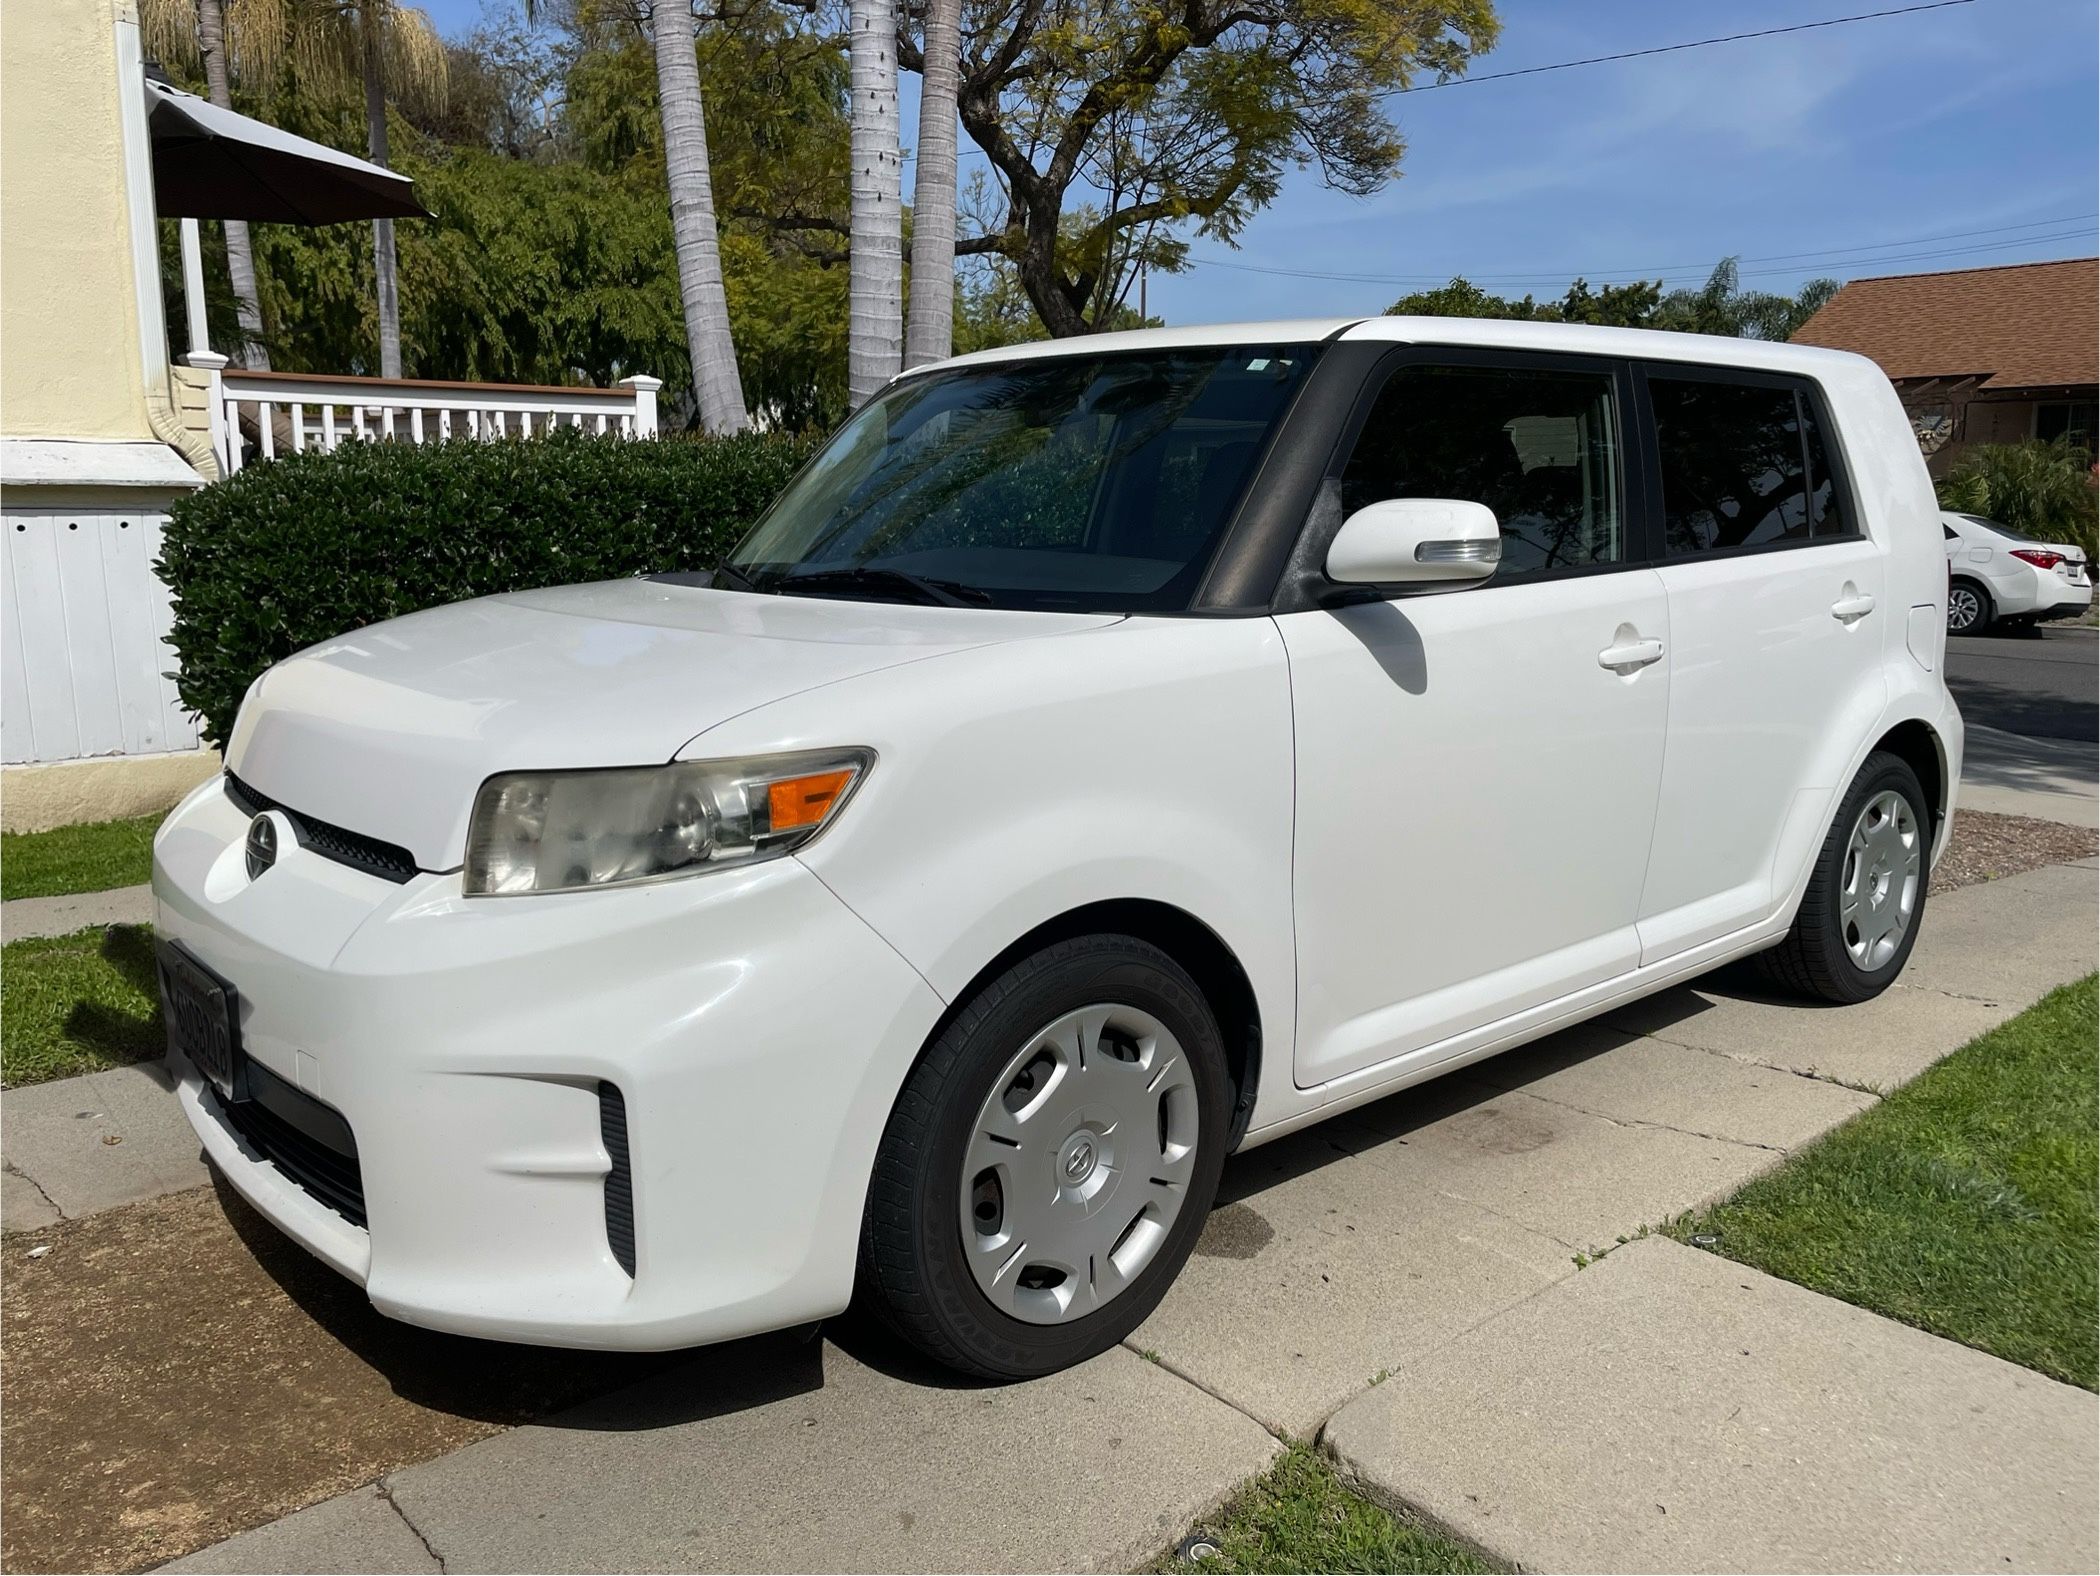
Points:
296	550
2043	489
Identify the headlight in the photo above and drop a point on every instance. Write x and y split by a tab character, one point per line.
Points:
567	831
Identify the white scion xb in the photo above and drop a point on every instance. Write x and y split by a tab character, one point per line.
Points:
1104	756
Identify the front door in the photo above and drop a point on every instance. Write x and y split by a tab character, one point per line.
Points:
1477	770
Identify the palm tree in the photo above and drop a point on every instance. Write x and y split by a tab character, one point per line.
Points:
377	44
875	266
930	335
716	385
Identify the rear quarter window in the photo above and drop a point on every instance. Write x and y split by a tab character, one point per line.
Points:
1743	464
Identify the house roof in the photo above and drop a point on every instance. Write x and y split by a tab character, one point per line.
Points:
2028	326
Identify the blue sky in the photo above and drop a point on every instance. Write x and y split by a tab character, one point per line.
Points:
1862	144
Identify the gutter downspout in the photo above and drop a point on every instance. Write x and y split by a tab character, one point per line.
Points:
162	417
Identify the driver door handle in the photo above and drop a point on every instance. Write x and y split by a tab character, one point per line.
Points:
1852	606
1629	656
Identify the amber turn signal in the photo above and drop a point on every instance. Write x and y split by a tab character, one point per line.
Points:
804	801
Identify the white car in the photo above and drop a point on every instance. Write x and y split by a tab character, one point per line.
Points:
1105	756
1999	576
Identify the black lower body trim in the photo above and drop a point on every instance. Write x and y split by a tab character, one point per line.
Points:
307	1141
619	1181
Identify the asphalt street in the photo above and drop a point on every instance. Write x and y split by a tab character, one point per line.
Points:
2044	684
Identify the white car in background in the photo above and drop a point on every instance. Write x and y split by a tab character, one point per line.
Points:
1999	576
1104	756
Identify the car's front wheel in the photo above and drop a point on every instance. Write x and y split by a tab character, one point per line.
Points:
1050	1162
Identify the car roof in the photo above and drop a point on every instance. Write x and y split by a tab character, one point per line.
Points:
1196	336
1463	332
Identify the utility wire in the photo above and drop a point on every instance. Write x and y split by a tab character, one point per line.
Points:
1835	257
1670	49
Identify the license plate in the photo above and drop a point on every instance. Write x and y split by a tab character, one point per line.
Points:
203	1017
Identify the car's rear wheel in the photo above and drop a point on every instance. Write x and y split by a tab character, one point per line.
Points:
1859	917
1050	1161
1968	608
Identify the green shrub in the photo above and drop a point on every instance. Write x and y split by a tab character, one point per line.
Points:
2043	489
285	554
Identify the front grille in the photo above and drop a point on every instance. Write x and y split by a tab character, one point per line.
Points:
308	1142
389	861
619	1181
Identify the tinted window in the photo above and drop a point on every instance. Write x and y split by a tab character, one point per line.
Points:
1096	482
1826	505
1743	465
1539	447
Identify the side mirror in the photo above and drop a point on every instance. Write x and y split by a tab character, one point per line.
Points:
1416	541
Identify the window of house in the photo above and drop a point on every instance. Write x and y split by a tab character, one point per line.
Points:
1538	446
1743	465
2069	419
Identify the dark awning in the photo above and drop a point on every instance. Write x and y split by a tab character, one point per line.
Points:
209	163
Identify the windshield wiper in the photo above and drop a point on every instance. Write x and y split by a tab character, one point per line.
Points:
942	593
737	579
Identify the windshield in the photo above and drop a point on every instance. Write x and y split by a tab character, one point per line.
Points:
1092	483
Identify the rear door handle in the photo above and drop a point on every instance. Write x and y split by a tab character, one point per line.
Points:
1852	606
1629	656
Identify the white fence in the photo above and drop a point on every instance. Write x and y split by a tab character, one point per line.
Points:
85	658
259	415
84	618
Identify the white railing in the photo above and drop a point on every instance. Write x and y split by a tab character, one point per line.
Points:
260	415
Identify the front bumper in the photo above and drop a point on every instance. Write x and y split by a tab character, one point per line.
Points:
756	1029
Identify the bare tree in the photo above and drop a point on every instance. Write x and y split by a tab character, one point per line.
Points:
716	385
875	268
930	335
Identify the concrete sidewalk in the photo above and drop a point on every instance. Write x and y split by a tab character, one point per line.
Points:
1667	1410
1432	1237
23	917
76	1146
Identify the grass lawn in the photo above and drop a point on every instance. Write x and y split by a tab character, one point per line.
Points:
89	858
1297	1516
1962	1204
77	1004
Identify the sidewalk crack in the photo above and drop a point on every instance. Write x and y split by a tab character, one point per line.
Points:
14	1170
1748	1059
1145	1354
386	1493
1666	1127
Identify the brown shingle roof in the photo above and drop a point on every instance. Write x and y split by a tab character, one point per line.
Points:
2032	325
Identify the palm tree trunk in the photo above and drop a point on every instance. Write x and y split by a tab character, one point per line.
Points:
875	268
931	334
716	385
371	22
240	256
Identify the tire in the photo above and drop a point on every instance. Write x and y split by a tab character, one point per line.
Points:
1969	608
1827	957
917	1272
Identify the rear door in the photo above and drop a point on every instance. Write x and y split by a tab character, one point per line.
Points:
1778	619
1477	770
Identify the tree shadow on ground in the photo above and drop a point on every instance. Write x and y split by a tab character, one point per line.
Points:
112	1033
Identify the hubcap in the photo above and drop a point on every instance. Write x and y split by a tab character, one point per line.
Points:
1962	608
1884	864
1079	1163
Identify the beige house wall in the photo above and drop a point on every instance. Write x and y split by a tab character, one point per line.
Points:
70	362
